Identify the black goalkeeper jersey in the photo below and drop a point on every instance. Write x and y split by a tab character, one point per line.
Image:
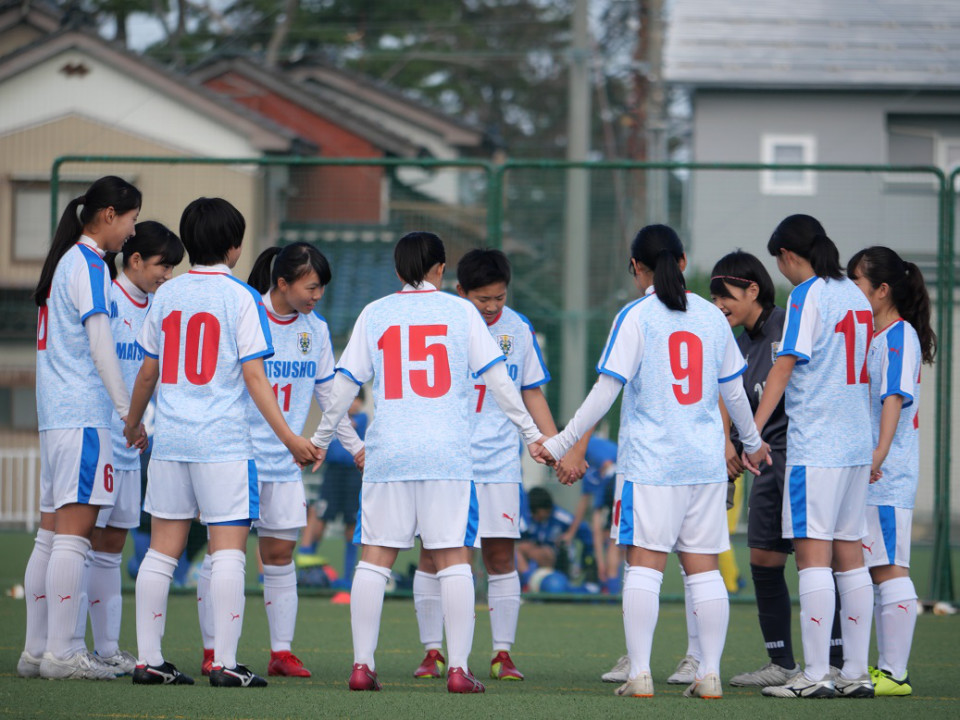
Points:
760	346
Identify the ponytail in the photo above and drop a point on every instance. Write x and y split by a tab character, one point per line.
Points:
415	253
109	191
908	291
289	262
658	247
805	236
259	278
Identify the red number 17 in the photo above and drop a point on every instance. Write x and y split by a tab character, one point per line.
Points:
848	326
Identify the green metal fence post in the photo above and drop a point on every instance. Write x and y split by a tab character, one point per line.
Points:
495	205
54	195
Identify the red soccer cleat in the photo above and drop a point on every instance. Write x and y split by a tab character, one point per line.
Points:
502	667
363	678
286	664
463	682
207	665
432	666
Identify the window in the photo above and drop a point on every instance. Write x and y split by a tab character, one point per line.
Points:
788	150
31	215
18	408
922	140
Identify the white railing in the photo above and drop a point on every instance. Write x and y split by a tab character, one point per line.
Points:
20	488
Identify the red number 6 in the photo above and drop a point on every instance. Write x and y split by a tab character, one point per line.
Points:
108	478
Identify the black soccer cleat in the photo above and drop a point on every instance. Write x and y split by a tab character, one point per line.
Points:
240	676
166	674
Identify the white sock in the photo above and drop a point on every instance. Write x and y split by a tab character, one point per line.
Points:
429	608
818	601
641	607
226	590
204	603
856	613
897	620
35	593
459	617
693	630
65	594
878	624
711	607
106	605
280	601
153	588
366	606
503	597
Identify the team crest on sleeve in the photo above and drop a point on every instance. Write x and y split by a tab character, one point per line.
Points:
304	342
506	343
774	349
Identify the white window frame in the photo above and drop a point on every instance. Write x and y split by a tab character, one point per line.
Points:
941	143
770	183
70	187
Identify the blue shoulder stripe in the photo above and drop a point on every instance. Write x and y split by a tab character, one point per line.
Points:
794	312
613	336
895	338
536	347
96	267
262	314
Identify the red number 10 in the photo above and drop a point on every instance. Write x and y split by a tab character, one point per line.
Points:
691	371
848	326
418	351
200	363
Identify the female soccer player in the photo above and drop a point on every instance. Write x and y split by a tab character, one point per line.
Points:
79	386
822	367
204	339
673	354
148	261
423	349
902	340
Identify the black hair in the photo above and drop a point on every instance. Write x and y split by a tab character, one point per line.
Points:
739	269
805	236
415	253
481	267
209	228
109	191
908	291
659	248
539	499
290	262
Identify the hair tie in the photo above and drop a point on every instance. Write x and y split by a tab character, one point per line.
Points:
82	200
731	277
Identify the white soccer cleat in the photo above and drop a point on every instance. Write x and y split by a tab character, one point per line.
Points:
861	687
686	671
28	666
122	662
618	673
641	686
769	675
708	687
800	687
82	665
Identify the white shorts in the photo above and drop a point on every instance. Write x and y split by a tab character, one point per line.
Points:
76	467
283	506
499	510
887	541
617	508
125	512
682	518
220	492
444	513
825	503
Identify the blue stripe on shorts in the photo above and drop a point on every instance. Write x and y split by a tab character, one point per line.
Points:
888	528
253	490
473	518
798	500
626	514
89	460
357	531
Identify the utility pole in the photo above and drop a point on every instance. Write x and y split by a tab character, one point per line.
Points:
576	259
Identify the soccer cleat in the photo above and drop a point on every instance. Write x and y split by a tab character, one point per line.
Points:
82	665
207	665
800	687
239	676
686	671
166	674
767	676
886	685
121	661
286	664
28	666
641	686
618	673
463	682
363	678
432	666
708	687
860	687
502	667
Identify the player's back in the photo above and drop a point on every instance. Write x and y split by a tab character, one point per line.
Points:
204	324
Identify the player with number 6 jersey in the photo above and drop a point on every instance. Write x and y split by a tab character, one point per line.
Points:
673	354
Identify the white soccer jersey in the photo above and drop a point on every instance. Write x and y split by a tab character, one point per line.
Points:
303	359
202	326
894	366
828	328
424	350
496	441
70	393
126	318
671	364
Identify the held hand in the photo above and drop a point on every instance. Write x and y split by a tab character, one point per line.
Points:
319	455
753	461
303	451
539	453
359	458
875	467
566	474
734	463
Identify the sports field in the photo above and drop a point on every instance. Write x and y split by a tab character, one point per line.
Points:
563	648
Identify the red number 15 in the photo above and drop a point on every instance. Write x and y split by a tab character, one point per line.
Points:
418	351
